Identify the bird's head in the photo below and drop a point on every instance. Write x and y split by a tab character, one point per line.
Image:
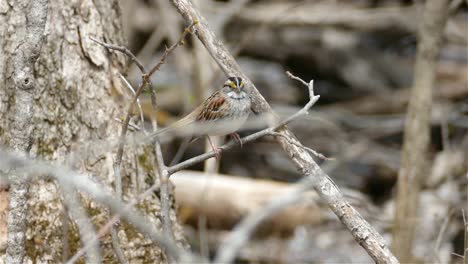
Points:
235	83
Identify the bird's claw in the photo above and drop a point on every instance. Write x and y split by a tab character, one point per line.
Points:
237	138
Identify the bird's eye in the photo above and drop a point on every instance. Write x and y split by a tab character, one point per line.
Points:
241	84
233	85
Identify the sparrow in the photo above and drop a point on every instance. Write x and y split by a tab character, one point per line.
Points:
223	113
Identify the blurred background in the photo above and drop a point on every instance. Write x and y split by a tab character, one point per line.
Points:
360	54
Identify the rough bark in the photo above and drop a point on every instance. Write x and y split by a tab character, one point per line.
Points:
24	40
362	232
416	143
76	102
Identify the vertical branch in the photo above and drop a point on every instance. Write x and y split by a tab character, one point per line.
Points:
116	245
465	225
164	189
27	40
417	128
85	227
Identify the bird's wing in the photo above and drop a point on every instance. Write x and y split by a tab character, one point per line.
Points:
213	108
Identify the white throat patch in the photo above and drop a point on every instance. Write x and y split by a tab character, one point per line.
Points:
235	95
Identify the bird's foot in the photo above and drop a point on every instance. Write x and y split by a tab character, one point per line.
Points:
237	138
216	150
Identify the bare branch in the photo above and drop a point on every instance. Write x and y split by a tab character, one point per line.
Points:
361	230
164	182
169	50
291	76
465	225
124	50
434	257
85	227
116	245
130	87
132	126
155	39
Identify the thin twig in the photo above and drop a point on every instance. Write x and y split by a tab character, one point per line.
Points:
65	234
289	74
133	126
116	245
170	24
443	228
180	151
187	30
458	255
124	50
130	87
85	227
156	37
465	225
164	185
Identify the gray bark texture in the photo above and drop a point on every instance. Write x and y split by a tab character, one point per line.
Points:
76	98
27	25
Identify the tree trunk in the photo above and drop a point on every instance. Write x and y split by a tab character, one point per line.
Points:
77	97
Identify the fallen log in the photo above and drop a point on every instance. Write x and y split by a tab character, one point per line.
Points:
224	200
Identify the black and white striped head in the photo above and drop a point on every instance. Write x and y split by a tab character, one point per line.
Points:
235	83
234	88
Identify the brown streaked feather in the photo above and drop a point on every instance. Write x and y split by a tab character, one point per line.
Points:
210	108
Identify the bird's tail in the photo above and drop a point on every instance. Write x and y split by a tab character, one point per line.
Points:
179	128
